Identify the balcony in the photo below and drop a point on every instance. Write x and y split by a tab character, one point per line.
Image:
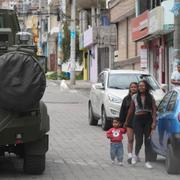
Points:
120	9
102	35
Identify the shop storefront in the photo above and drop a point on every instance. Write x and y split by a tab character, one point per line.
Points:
158	40
160	43
140	31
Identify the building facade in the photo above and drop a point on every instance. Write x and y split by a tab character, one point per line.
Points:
97	39
154	26
55	34
127	53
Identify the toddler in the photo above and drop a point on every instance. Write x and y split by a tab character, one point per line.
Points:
115	134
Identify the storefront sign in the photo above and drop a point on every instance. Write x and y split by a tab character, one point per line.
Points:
168	15
140	26
176	8
60	39
156	20
73	34
143	57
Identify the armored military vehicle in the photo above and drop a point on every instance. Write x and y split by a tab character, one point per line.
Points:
24	121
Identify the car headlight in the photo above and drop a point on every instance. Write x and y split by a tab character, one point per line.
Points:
114	99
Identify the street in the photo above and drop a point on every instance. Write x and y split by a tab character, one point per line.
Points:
78	151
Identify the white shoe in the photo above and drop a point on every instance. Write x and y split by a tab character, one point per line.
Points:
120	163
112	162
148	165
134	160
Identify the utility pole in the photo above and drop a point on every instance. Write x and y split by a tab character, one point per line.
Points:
60	53
73	42
176	10
24	15
40	29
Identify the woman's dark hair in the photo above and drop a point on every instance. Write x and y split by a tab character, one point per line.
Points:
130	86
148	96
129	94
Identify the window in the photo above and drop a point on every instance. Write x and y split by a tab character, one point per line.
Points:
172	102
45	28
121	81
1	22
150	80
143	6
162	106
158	2
155	3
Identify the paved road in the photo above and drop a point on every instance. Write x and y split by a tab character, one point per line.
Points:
79	151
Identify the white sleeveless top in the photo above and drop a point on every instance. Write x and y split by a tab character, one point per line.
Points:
140	109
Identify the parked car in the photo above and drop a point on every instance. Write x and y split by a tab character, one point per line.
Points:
107	94
166	138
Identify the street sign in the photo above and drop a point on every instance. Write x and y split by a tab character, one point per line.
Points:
73	34
60	39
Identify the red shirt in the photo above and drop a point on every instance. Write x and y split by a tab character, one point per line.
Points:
116	134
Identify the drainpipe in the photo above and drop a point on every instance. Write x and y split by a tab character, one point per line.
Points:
137	7
93	18
127	39
98	17
80	22
84	19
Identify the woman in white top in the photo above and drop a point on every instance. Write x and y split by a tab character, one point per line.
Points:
143	108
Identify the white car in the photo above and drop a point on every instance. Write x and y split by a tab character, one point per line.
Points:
107	94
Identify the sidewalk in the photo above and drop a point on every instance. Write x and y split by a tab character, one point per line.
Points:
79	84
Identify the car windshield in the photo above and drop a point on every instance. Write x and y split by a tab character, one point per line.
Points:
122	81
154	85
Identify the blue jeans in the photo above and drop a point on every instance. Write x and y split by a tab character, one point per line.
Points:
116	151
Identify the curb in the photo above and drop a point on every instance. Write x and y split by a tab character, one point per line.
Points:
79	85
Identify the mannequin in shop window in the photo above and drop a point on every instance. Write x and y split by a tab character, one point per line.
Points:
175	78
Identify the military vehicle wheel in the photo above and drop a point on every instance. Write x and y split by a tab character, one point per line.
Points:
34	164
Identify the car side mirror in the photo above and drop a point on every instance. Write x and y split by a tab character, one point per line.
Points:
99	86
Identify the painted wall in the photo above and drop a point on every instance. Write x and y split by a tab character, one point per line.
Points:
93	65
85	63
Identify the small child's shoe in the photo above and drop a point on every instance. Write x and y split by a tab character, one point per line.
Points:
112	162
129	160
134	160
